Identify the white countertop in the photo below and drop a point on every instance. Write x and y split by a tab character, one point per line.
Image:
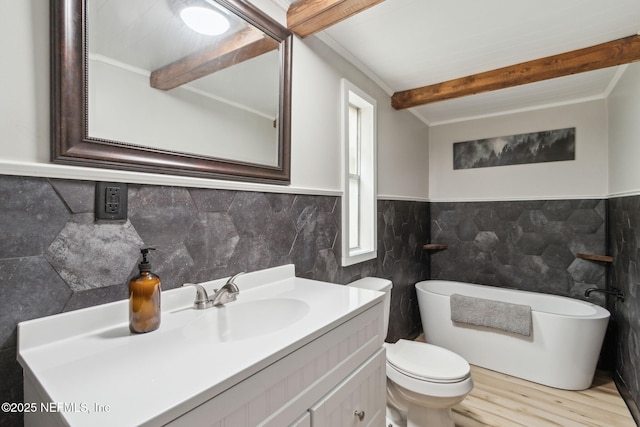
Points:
88	360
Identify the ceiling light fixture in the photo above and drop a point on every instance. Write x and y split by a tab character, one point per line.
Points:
204	21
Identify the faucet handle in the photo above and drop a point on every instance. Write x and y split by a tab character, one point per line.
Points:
231	282
202	300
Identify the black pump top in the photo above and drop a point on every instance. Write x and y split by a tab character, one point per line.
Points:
145	265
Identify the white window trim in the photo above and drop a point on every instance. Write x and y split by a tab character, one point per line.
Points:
351	94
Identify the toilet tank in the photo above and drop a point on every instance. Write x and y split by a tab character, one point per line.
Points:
377	284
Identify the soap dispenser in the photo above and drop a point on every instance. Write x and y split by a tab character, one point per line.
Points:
144	298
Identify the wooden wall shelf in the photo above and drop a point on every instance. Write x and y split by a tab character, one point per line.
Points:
434	247
600	258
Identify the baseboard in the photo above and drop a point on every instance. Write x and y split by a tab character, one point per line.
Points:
628	399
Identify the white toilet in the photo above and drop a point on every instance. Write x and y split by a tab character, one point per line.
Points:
423	381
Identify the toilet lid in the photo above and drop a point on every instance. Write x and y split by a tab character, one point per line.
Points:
427	361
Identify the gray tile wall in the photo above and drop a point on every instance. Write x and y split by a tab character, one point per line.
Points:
531	245
55	258
527	245
624	241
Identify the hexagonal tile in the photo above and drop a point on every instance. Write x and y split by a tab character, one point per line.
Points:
280	233
585	221
557	232
486	219
509	277
210	200
97	296
251	254
250	212
388	239
280	202
326	203
532	220
507	256
305	209
446	220
325	230
32	215
162	215
486	241
556	281
557	256
90	255
304	251
532	244
509	211
174	265
326	267
533	266
30	289
388	263
388	212
466	230
78	195
11	389
212	240
445	237
586	272
402	213
557	210
595	204
305	219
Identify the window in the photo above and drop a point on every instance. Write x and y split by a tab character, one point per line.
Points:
359	201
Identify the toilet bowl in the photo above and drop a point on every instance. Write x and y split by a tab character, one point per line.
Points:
423	380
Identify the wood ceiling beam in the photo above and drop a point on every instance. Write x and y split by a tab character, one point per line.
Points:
617	52
234	49
307	17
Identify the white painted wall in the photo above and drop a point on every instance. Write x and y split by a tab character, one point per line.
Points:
624	133
584	177
124	107
316	144
402	139
24	103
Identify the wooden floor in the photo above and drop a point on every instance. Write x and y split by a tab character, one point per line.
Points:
501	400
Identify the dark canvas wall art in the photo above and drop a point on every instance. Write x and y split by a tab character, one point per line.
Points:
547	146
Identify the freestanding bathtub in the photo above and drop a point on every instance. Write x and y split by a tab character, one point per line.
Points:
561	351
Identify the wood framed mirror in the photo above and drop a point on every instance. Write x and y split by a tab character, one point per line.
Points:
120	102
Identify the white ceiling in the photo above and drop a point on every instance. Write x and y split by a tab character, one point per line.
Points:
145	35
404	44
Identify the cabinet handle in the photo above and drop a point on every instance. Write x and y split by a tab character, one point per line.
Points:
359	414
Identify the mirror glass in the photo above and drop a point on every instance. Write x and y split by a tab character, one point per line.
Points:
166	90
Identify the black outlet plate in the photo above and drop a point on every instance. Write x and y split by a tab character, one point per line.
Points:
111	201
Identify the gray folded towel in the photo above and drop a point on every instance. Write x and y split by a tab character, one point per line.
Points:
501	315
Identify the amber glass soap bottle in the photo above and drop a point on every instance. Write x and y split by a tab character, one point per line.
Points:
144	298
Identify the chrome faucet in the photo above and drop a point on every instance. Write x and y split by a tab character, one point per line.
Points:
202	299
225	294
614	291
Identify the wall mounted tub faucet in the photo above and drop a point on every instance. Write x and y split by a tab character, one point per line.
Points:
614	291
225	294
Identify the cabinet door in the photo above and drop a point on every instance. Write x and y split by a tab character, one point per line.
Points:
303	421
359	400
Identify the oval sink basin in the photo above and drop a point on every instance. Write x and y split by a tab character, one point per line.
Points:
237	320
249	319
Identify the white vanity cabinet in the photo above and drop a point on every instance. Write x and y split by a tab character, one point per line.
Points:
343	368
288	352
358	401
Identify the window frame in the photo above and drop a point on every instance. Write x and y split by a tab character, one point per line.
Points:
366	173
